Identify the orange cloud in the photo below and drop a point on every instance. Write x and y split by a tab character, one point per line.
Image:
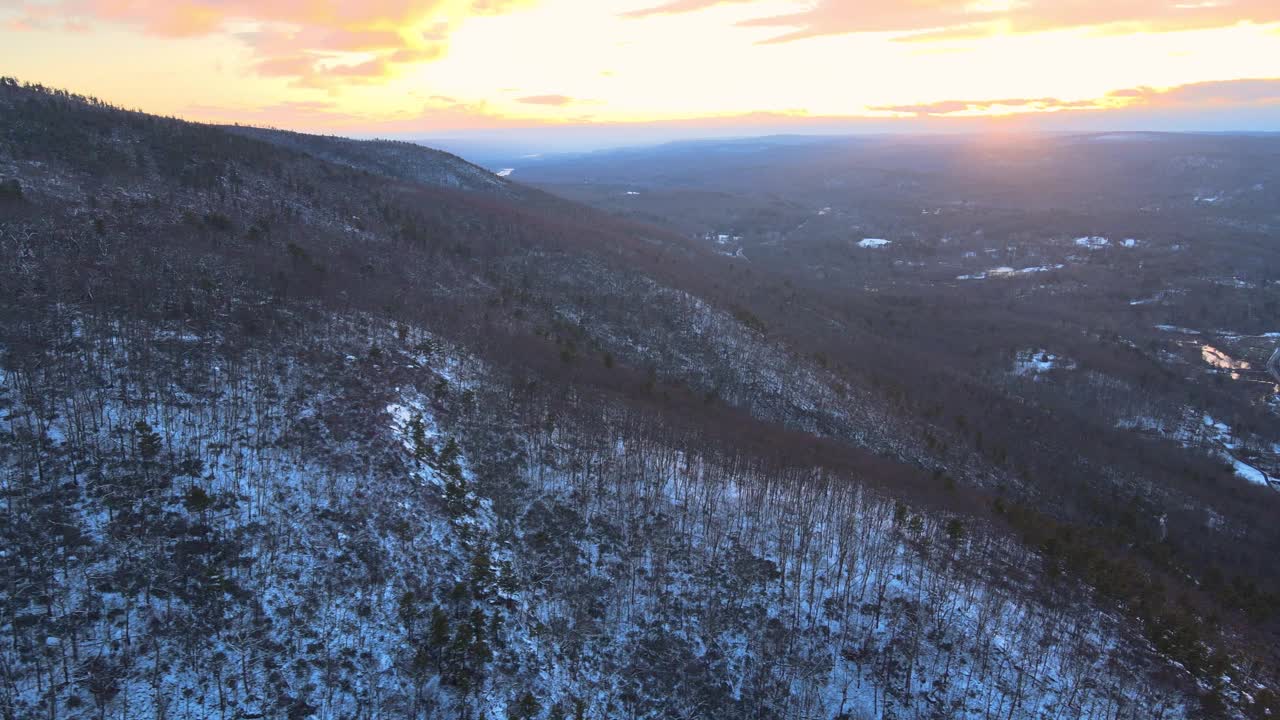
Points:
556	100
1184	106
308	40
680	6
949	19
437	114
1252	92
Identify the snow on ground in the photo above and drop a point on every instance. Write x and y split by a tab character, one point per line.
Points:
1005	271
1231	335
505	172
873	242
1196	429
879	602
1144	423
1249	472
1033	363
1093	242
892	598
1221	433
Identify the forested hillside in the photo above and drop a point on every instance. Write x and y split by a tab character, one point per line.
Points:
301	427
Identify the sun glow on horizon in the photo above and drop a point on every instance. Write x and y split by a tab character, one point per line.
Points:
423	66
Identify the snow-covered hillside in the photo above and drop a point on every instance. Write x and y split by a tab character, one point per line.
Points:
339	528
288	431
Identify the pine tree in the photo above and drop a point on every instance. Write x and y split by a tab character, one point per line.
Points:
525	707
197	500
482	576
149	442
408	611
438	635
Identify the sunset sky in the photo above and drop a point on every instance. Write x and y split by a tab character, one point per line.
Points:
431	67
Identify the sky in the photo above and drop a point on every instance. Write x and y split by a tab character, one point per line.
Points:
621	70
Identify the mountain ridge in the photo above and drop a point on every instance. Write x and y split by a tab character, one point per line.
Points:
340	440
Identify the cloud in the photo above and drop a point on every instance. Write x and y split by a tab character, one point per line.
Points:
679	6
435	114
318	43
21	24
977	107
293	115
1216	94
951	19
555	100
1249	92
1221	105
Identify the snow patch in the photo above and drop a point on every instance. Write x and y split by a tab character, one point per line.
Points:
1221	433
1093	242
1176	329
1005	271
1034	363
